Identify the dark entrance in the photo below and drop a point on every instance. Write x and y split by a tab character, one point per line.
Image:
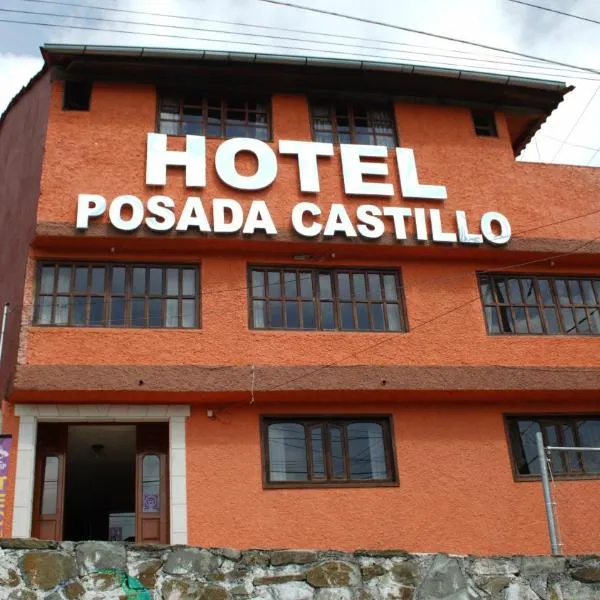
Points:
102	482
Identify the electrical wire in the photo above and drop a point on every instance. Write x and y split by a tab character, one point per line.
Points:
553	10
426	33
468	56
341	53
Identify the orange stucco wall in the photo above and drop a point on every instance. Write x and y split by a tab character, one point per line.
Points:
456	492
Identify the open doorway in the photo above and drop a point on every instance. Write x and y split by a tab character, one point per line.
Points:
102	482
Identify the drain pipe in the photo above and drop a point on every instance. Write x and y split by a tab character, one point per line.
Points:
554	542
3	329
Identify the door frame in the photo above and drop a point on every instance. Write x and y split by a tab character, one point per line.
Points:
32	414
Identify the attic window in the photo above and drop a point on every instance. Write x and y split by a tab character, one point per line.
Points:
77	95
485	123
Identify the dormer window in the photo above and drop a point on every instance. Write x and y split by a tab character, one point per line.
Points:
189	113
484	122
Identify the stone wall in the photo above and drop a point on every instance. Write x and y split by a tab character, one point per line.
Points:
35	570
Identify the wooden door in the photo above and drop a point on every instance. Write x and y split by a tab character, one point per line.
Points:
49	490
152	482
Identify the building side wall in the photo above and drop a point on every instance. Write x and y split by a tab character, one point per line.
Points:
22	137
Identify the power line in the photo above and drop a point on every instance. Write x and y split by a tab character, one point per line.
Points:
553	10
257	44
427	33
585	108
551	137
467	55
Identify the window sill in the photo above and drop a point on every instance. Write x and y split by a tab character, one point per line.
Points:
329	485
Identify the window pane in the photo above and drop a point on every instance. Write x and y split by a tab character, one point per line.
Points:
561	290
172	313
343	285
172	282
515	291
189	282
318	456
50	486
274	281
61	310
96	312
325	286
138	312
290	284
588	292
258	313
595	320
81	279
486	292
520	321
551	320
393	316
306	287
501	291
118	280
528	292
568	320
360	286
308	315
524	444
576	297
292	317
151	484
188	313
154	312
47	280
337	453
589	436
545	291
374	286
156	281
362	316
491	318
346	315
98	280
389	282
64	280
287	452
581	320
275	314
78	314
117	311
258	283
506	320
327	316
378	318
138	285
535	321
366	451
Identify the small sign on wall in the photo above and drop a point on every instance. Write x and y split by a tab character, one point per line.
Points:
5	448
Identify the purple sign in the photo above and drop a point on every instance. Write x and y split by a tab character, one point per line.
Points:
5	446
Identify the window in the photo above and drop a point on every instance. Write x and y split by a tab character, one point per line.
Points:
328	451
113	295
318	299
77	95
193	114
567	430
484	122
525	304
353	124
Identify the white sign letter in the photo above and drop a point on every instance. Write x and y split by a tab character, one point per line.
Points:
193	159
298	219
437	234
220	205
339	222
259	217
161	207
89	205
498	239
398	214
464	236
371	226
409	179
307	161
137	213
193	215
353	170
225	164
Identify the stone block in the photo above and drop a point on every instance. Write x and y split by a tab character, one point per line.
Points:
74	591
22	595
520	591
146	572
98	556
444	580
293	557
334	574
277	579
493	584
405	573
292	591
494	566
27	544
46	569
542	565
369	572
191	561
587	570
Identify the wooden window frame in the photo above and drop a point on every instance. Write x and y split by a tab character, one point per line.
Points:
106	296
350	110
204	106
387	422
488	130
540	305
548	419
335	299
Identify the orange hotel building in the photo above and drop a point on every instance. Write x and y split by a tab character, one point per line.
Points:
332	316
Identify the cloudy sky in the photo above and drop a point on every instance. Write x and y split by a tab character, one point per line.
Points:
571	135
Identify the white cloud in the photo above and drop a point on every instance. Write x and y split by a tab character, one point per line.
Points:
15	72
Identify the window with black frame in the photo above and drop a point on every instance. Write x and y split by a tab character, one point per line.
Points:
315	451
326	299
353	124
578	431
540	304
117	295
190	113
